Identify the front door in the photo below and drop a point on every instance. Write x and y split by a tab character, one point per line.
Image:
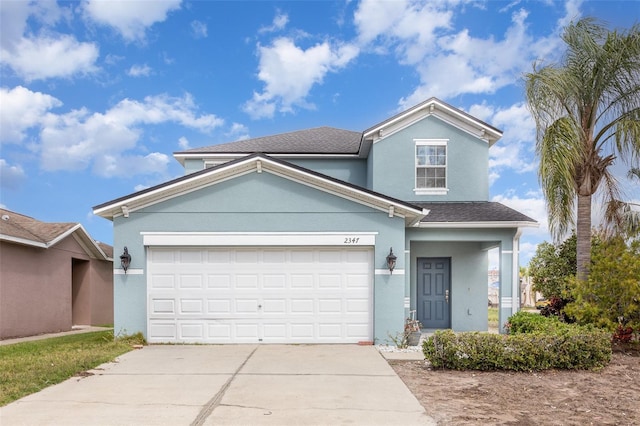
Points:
434	292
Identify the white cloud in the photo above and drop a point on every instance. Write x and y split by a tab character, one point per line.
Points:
79	138
183	143
238	132
20	110
198	29
139	71
279	22
130	18
126	165
533	205
48	57
11	177
516	150
44	54
289	73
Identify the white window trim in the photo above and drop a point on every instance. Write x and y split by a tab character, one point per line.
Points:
430	191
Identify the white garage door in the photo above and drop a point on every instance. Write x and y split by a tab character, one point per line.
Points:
250	295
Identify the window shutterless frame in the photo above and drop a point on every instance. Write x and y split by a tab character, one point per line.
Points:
430	166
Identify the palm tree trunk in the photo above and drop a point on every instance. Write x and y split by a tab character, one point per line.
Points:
583	237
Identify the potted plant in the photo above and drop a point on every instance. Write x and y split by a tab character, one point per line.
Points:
412	330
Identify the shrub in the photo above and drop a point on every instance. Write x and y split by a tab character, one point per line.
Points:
536	343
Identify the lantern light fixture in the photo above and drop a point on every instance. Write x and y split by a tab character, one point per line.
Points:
391	261
125	259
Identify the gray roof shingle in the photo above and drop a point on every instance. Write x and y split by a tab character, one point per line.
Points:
320	140
17	225
476	211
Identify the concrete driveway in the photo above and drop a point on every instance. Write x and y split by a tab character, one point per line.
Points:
231	384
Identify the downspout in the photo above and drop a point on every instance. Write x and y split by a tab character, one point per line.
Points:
515	259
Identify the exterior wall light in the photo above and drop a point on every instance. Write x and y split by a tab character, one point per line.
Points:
125	260
391	260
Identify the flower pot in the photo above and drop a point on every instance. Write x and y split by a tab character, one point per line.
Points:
414	338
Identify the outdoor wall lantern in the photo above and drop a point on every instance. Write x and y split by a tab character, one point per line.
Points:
125	260
391	260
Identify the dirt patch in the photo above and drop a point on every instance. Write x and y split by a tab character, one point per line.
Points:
610	396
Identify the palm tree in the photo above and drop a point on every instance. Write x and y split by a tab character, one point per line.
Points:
587	113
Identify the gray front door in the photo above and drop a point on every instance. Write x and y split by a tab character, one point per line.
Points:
434	292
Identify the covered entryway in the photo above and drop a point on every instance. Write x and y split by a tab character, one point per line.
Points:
260	294
434	292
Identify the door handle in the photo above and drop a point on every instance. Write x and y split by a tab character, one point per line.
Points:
446	296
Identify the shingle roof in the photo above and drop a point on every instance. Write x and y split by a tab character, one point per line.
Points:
21	229
24	227
478	211
320	140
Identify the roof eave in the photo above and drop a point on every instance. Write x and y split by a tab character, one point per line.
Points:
480	224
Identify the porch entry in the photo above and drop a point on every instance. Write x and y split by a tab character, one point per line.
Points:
434	292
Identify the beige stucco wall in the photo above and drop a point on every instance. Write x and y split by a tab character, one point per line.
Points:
36	288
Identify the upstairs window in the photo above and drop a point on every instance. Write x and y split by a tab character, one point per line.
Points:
431	166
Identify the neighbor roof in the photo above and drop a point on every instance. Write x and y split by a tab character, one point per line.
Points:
320	140
21	229
476	212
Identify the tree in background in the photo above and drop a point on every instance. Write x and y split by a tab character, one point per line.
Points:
552	266
610	298
587	112
551	269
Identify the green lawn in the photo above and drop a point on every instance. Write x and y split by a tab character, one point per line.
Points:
29	367
493	317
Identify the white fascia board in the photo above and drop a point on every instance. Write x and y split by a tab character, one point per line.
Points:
22	241
451	116
223	173
344	191
64	235
231	156
204	239
169	191
479	225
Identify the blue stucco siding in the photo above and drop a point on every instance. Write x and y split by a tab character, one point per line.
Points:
470	269
353	171
258	202
393	163
469	265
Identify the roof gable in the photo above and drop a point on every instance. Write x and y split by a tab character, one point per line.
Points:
257	163
20	229
439	109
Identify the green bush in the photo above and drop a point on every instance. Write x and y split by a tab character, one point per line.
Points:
538	344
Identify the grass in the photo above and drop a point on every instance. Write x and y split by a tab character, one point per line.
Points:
493	317
29	367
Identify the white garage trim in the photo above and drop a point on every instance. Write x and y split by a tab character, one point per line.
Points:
259	238
253	294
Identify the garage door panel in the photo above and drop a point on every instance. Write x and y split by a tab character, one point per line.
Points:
218	306
162	331
219	281
163	306
190	281
191	306
161	281
299	281
249	295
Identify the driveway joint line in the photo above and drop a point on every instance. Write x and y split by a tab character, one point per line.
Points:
215	401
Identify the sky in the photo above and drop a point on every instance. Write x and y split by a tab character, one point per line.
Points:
96	96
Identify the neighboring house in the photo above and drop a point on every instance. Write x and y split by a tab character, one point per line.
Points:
52	276
287	238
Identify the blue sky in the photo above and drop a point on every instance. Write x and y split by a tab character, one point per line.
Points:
97	95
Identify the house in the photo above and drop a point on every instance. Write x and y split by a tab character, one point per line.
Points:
52	276
320	235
